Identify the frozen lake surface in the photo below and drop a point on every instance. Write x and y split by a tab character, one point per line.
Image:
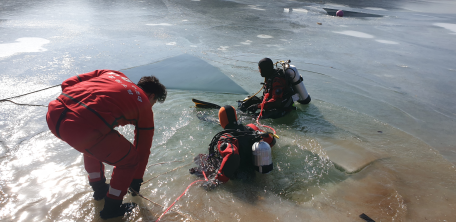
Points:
378	137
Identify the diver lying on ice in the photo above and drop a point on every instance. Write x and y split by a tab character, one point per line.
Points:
282	87
235	152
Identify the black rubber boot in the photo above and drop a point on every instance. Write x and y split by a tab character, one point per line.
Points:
100	188
135	186
115	208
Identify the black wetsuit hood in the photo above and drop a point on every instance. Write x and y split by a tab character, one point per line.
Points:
266	67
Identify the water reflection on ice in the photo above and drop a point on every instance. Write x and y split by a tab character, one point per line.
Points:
23	216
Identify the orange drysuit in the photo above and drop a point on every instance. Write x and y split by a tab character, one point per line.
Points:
85	114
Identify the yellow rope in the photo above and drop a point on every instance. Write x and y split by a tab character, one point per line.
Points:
254	94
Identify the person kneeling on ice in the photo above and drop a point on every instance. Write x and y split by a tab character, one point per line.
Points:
236	151
282	86
84	116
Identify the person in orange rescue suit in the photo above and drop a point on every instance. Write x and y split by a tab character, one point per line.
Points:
278	92
85	114
231	154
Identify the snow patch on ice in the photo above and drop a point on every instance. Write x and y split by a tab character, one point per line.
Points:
449	26
356	34
27	44
377	9
160	24
171	43
223	48
332	5
255	7
274	45
247	42
300	10
387	42
262	36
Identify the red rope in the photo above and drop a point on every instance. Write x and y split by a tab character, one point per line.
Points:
181	196
261	113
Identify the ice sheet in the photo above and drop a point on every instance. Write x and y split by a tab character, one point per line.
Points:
186	72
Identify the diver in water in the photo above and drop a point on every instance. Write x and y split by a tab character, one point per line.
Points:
282	87
236	151
84	116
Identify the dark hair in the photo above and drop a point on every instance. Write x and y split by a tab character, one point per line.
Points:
150	84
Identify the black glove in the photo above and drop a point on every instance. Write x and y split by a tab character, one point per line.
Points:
135	186
253	108
210	184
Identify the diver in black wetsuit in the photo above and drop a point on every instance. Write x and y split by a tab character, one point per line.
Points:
282	87
230	151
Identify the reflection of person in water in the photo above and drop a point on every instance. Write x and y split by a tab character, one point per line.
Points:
282	87
235	150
